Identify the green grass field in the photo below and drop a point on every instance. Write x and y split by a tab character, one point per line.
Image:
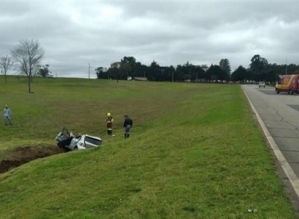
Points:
195	151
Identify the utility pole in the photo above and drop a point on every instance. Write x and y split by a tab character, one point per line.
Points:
172	76
286	66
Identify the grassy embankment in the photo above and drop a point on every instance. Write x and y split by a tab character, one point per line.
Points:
195	152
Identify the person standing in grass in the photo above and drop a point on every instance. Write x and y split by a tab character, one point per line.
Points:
6	115
109	122
128	123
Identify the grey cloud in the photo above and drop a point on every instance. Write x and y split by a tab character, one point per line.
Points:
76	34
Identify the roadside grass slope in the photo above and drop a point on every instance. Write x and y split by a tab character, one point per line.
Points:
195	152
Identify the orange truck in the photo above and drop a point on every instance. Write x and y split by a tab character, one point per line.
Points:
288	83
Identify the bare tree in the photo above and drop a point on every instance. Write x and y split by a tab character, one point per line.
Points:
28	55
5	64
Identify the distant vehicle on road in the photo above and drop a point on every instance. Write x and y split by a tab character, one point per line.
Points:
288	83
262	84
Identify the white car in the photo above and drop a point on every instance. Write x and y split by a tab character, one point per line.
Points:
262	84
68	142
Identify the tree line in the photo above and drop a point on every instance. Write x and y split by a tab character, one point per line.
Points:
258	70
27	55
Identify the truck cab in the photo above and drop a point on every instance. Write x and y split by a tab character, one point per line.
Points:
288	83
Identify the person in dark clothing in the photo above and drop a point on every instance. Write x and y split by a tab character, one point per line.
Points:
128	123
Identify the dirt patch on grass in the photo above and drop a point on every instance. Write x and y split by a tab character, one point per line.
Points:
25	154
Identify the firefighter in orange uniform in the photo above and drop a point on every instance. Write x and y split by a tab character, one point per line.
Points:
109	122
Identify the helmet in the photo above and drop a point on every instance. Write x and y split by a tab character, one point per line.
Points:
108	114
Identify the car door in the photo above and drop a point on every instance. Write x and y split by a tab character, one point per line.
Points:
91	142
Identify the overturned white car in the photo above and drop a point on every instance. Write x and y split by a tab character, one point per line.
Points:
68	142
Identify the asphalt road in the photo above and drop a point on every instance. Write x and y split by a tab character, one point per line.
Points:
278	116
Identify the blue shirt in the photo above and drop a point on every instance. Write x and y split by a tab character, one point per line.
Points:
6	112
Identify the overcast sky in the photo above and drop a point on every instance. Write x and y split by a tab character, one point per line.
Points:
76	34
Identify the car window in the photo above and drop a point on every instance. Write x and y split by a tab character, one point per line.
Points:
92	140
